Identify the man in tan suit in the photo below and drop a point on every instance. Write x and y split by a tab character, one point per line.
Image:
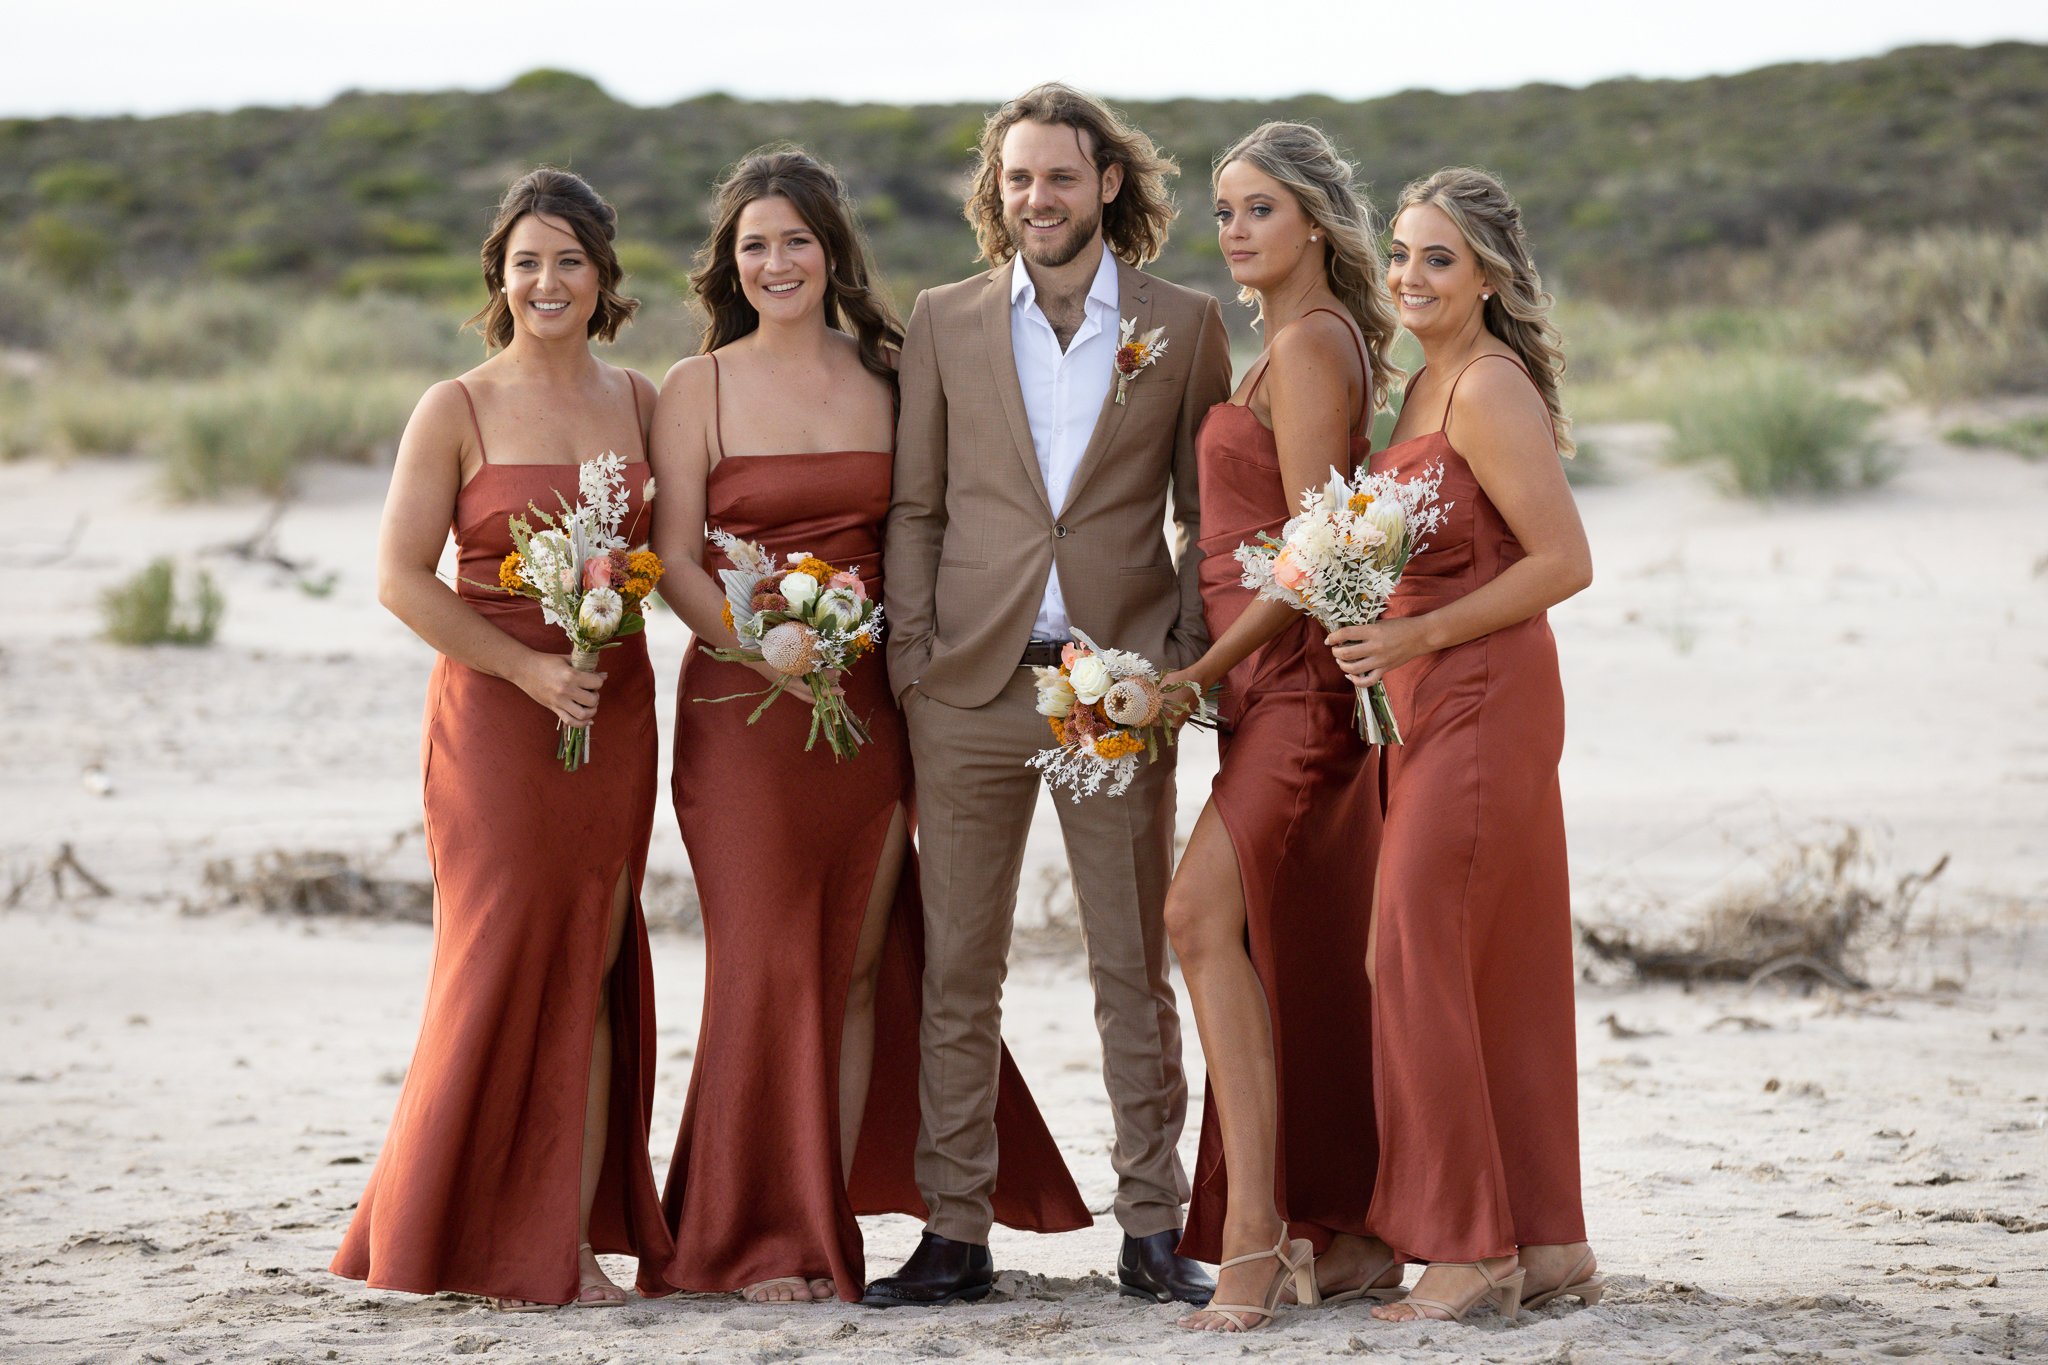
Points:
1030	497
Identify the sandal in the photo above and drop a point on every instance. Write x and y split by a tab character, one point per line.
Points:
1505	1292
1297	1260
1370	1288
601	1286
1586	1291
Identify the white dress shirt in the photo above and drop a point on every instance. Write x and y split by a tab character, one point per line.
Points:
1063	395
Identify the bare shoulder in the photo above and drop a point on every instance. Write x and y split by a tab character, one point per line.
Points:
642	386
691	375
443	410
1496	404
1316	349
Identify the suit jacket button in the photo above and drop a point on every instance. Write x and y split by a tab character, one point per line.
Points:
1060	531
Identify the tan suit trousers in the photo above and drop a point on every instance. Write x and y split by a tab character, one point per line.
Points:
972	825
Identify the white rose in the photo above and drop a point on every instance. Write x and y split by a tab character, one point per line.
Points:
1090	679
837	609
799	590
1055	694
600	613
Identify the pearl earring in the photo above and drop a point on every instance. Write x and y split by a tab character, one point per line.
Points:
1312	237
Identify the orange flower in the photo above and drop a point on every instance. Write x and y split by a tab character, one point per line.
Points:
1359	502
1118	745
725	614
816	568
1059	731
644	564
508	573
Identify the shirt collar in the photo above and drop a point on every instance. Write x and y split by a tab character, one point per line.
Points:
1103	290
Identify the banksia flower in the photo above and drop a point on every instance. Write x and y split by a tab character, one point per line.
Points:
1132	701
789	648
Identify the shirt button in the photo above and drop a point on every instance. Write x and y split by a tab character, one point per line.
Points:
1060	531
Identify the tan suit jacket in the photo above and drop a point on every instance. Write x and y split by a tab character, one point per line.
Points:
972	534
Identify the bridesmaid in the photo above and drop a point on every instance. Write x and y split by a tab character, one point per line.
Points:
1474	1063
1275	962
519	1145
802	1110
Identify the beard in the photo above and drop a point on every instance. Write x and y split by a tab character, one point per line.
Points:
1053	252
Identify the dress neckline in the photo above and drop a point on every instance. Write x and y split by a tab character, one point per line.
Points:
725	460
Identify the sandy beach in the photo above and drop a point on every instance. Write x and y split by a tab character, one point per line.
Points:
193	1089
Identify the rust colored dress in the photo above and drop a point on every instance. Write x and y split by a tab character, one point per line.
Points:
1299	795
784	846
1474	1063
478	1189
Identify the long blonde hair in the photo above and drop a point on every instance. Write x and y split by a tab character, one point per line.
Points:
1519	311
1134	224
1303	158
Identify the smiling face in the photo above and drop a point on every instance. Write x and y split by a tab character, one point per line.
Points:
782	265
1433	274
551	284
1052	193
1261	228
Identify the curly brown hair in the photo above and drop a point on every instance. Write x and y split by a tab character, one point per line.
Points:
1134	224
568	196
819	197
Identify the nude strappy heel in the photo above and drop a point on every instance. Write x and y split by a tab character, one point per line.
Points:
1505	1292
1297	1259
584	1286
1391	1293
1586	1291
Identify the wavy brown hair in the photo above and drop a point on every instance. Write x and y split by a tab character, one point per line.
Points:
567	196
1134	224
1304	159
1519	311
853	301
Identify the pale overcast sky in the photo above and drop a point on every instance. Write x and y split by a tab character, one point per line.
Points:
161	56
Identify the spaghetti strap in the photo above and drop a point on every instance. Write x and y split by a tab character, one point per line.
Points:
717	422
639	422
1445	428
1364	365
477	426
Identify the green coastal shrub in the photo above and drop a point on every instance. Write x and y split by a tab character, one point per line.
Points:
256	432
2026	437
1778	429
154	607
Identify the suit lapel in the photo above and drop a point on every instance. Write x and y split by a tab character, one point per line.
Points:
1002	360
1133	300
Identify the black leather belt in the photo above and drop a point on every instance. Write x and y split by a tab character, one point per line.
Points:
1041	654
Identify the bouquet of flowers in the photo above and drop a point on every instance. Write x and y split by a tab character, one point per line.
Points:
1339	560
1105	706
807	620
581	571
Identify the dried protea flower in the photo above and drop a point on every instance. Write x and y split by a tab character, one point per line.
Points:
1132	701
789	648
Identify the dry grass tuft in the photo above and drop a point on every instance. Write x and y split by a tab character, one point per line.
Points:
1814	916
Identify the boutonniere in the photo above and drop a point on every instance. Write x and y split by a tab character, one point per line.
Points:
1134	352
